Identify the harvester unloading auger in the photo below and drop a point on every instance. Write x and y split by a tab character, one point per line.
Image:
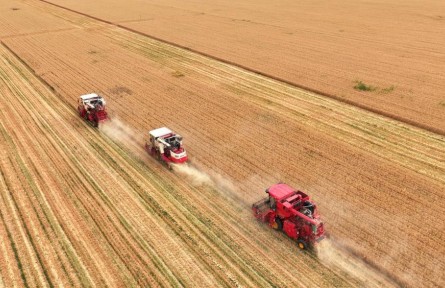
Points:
166	146
293	212
92	108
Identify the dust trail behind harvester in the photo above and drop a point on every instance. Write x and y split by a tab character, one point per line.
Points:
211	179
120	132
330	253
197	177
339	259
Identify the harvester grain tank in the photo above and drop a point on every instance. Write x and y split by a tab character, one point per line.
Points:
293	212
92	108
166	146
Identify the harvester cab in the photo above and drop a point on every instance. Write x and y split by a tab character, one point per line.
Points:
91	107
293	212
166	146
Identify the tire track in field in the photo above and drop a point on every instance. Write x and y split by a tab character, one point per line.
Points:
103	268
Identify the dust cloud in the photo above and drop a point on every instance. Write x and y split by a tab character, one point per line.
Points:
337	257
120	132
197	177
211	179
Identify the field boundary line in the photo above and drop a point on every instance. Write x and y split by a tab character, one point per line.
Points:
264	74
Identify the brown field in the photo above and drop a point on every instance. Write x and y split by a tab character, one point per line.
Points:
87	207
394	46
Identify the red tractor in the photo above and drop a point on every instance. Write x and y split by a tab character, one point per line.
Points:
92	108
293	212
166	146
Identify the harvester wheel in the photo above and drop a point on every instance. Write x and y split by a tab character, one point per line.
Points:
95	121
278	224
301	244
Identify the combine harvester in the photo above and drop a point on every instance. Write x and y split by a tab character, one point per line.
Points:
92	108
293	212
166	146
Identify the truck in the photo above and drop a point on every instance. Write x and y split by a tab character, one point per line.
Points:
293	212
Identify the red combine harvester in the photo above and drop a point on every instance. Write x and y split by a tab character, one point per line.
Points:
92	108
166	146
293	212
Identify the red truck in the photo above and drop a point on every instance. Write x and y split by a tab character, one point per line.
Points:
293	212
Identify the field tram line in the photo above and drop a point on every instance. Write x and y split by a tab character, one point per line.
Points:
55	147
37	273
17	273
92	183
70	112
66	246
36	188
47	128
19	165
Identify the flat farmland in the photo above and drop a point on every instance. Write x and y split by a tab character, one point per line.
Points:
395	47
379	182
79	209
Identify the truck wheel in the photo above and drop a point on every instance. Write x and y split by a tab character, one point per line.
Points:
278	224
301	244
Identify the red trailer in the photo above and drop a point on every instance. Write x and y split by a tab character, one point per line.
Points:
91	107
293	212
166	146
